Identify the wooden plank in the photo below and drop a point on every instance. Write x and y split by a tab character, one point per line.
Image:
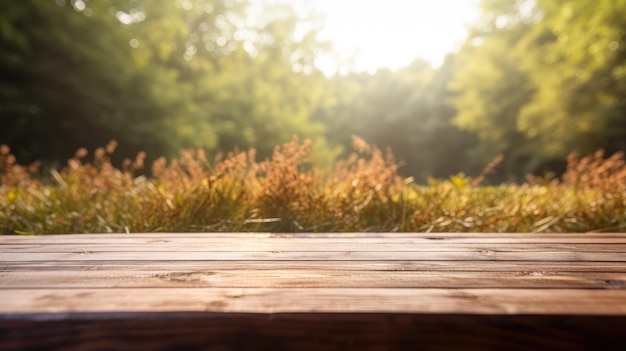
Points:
469	255
232	291
521	267
307	300
308	278
314	246
310	332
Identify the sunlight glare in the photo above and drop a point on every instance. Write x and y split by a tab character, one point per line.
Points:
368	35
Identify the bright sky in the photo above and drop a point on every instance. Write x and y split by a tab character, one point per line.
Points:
390	33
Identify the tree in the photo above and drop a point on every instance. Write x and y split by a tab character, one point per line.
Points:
79	81
267	89
155	76
578	63
491	86
539	79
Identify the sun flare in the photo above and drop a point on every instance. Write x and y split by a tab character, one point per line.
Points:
368	35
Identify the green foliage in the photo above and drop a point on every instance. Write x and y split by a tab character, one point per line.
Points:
159	77
535	80
538	79
578	58
363	194
492	89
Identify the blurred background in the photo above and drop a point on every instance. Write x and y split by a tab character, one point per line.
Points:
446	84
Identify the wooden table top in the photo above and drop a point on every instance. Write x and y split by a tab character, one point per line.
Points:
354	276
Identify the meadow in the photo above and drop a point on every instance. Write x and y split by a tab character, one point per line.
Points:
284	193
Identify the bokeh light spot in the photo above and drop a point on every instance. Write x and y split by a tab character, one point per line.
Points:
79	5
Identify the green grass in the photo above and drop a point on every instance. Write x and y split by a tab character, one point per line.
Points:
363	193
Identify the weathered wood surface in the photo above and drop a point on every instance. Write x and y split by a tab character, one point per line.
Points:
340	291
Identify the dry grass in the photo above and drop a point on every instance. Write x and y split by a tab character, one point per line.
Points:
363	193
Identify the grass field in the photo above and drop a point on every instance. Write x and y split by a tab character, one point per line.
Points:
363	193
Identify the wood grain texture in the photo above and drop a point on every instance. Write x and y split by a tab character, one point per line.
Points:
520	267
277	255
326	245
277	300
308	278
338	291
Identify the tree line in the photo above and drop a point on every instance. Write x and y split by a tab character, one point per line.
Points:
535	80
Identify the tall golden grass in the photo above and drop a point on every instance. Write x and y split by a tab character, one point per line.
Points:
363	193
